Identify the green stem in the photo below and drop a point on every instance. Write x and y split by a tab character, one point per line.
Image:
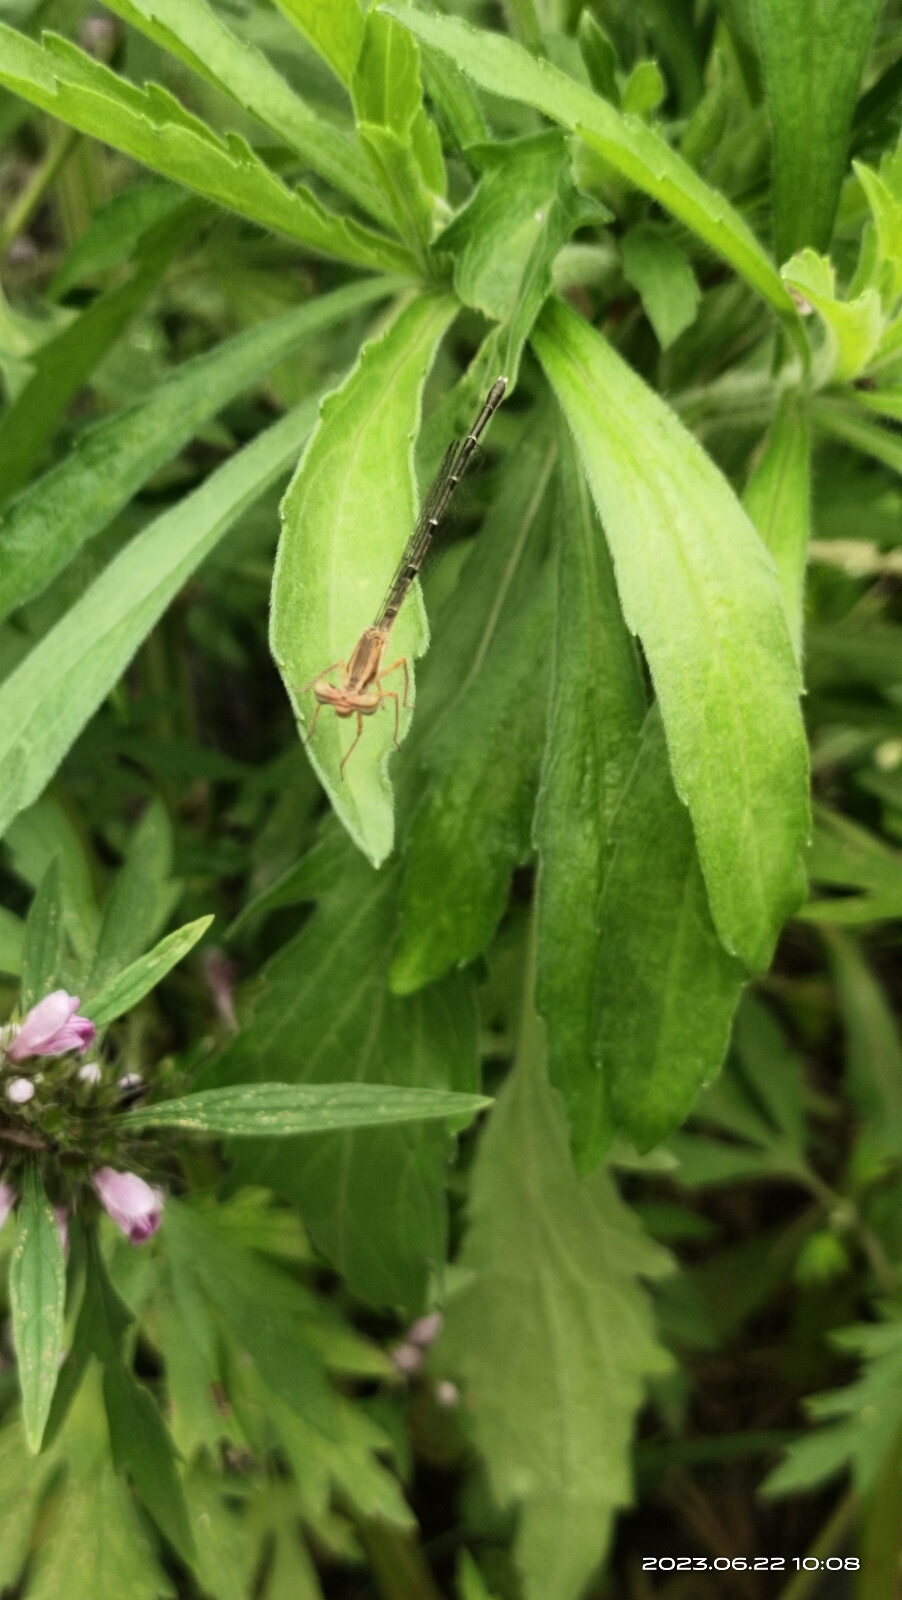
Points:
24	207
880	1577
834	1529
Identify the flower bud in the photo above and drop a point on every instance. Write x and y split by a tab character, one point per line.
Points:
51	1028
134	1206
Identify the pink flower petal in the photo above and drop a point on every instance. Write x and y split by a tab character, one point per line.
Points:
51	1028
134	1206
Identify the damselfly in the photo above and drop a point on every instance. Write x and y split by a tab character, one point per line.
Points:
359	691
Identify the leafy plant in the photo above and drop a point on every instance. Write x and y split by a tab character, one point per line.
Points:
261	263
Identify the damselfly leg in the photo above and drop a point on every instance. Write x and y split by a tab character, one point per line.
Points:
359	692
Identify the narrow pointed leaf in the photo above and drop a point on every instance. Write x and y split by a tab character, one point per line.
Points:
197	34
37	1293
334	29
45	527
346	518
44	940
281	1109
701	592
777	498
46	701
149	125
130	986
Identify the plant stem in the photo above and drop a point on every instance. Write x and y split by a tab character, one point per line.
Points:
838	1524
23	208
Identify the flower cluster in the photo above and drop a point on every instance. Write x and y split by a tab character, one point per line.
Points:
51	1028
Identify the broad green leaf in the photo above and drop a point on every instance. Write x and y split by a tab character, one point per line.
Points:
139	977
853	327
666	988
628	145
777	498
228	1551
702	594
195	33
480	763
333	27
812	56
149	125
44	941
399	141
93	1544
47	700
473	826
667	286
265	1311
45	527
63	364
12	938
282	1108
37	1294
550	1335
346	518
873	1047
373	1200
23	1483
140	901
595	718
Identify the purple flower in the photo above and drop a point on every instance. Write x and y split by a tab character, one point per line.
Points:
7	1201
134	1206
51	1028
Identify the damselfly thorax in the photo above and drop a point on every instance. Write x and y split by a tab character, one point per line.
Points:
359	691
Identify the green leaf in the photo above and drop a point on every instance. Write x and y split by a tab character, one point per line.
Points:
886	210
472	823
47	829
44	941
373	1200
392	126
140	1441
265	1311
64	363
335	30
114	233
37	1295
868	1417
550	1308
701	593
599	55
667	286
95	1547
195	33
596	713
631	148
50	522
854	328
141	899
128	987
47	700
812	58
12	940
346	518
666	988
873	1048
644	89
493	236
149	125
777	498
23	1483
283	1108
